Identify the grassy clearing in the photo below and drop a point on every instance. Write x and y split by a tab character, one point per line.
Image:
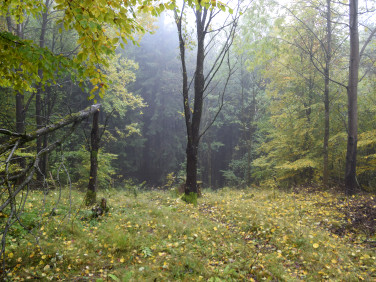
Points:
229	235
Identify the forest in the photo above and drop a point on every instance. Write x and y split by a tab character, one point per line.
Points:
181	140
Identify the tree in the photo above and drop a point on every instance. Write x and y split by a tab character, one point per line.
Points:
352	96
204	12
41	142
351	88
315	34
117	103
321	59
92	22
10	179
356	55
94	150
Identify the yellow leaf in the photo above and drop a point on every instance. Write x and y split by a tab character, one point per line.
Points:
315	245
10	255
94	89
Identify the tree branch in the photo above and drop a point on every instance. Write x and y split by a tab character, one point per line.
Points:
24	138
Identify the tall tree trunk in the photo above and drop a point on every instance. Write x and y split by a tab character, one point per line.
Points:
326	92
91	195
192	125
210	167
48	106
38	99
39	122
20	108
191	169
204	17
199	84
20	115
352	93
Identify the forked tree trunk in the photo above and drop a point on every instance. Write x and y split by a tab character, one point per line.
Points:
352	95
199	84
204	17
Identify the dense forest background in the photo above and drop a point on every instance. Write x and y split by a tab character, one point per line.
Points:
283	118
272	127
281	123
265	110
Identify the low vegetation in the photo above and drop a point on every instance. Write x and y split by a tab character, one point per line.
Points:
248	234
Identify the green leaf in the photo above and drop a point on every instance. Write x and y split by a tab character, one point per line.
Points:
113	277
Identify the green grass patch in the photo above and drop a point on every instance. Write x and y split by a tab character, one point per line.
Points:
230	235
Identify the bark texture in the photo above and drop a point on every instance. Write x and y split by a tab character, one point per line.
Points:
94	141
352	96
201	81
327	91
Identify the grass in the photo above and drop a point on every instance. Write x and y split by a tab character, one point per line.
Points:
230	235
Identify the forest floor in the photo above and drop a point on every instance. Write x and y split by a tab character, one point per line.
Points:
250	235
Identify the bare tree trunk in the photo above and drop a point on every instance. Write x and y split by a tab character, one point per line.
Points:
204	17
91	195
20	108
38	100
191	152
352	93
20	115
326	92
191	170
39	122
199	84
326	134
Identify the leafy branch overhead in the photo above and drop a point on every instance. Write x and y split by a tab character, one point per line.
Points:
100	27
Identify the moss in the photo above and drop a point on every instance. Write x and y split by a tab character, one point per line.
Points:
94	153
90	198
191	198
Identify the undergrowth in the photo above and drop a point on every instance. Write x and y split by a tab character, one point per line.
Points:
230	235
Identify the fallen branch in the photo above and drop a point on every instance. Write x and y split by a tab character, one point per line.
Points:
9	182
24	138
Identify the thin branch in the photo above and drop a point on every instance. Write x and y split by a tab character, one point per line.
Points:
231	72
36	163
367	42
